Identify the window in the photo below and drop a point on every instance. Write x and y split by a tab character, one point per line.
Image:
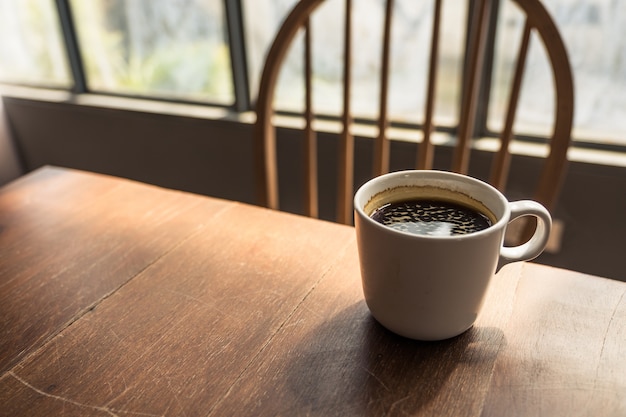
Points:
31	51
261	19
594	32
535	114
183	50
162	48
594	35
411	37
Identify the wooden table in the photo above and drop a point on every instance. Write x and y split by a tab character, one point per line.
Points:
123	299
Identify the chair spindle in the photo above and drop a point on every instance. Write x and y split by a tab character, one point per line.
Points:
472	74
501	164
346	145
310	164
426	148
381	147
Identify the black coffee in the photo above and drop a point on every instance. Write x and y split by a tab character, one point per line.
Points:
431	217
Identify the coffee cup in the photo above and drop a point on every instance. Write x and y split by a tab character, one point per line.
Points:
430	284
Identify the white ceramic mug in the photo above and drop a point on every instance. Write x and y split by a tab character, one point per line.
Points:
433	287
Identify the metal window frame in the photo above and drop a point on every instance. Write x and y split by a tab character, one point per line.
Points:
71	46
238	54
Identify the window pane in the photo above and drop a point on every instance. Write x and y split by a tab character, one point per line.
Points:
411	35
594	35
262	19
163	48
31	50
593	32
535	114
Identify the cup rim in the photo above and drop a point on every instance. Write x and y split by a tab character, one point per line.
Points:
501	220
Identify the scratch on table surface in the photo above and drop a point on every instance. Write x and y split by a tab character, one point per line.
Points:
119	339
246	295
110	388
124	391
606	332
396	403
176	398
201	302
295	323
110	411
376	378
282	325
58	356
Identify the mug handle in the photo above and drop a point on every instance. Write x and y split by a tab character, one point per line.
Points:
539	239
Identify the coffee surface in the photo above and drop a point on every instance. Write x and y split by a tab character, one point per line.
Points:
431	217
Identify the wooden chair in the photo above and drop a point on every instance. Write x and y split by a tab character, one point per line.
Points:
537	19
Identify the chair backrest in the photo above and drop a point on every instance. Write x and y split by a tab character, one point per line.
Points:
537	19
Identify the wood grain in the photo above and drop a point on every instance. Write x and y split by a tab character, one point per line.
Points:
173	340
67	241
333	358
122	299
565	348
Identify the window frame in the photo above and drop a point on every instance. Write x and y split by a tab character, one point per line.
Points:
243	99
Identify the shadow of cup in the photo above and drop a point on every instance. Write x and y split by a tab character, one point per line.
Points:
354	366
